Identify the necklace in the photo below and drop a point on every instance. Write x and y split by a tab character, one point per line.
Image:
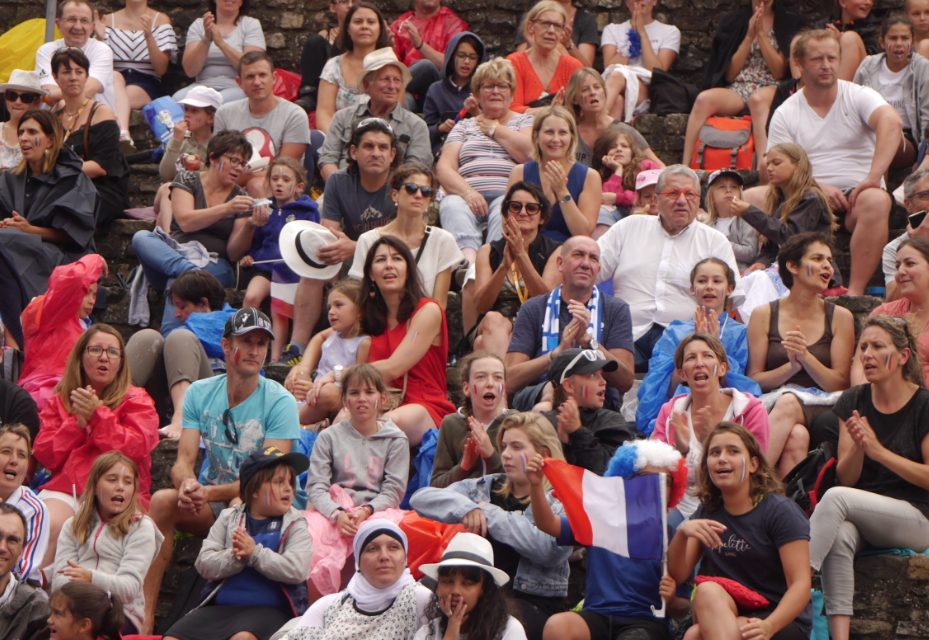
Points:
80	109
75	118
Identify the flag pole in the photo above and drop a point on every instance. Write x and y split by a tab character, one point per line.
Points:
660	612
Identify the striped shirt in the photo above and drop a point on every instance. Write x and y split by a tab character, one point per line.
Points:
130	50
483	163
37	533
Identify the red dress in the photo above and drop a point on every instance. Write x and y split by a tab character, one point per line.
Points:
425	383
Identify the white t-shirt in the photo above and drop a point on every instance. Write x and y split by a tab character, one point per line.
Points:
101	66
660	35
440	253
890	86
841	145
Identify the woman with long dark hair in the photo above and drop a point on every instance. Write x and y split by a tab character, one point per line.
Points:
409	337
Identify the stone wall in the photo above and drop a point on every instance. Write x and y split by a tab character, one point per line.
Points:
287	23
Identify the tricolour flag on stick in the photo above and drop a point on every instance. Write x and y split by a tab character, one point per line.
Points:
622	515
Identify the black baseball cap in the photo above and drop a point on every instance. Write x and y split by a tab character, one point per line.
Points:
571	361
724	173
270	457
246	320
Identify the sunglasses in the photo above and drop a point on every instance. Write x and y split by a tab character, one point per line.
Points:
515	208
411	188
229	423
25	97
589	354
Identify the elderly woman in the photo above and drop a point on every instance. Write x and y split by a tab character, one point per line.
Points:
95	410
543	69
479	155
340	80
409	337
53	225
215	42
573	187
381	600
213	217
90	130
20	93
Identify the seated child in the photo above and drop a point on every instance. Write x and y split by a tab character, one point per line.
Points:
256	556
618	161
316	379
110	541
85	611
286	181
359	466
449	99
589	433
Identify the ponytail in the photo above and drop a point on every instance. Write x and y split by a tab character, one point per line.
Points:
102	608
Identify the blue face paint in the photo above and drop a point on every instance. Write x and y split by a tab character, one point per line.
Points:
742	472
887	360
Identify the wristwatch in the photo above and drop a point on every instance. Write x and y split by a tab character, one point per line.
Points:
565	199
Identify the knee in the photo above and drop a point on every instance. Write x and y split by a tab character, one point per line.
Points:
183	338
616	81
787	406
163	507
561	626
495	322
243	635
710	596
799	438
873	205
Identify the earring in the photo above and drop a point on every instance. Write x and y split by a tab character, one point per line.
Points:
371	293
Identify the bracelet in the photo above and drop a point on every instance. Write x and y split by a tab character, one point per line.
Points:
420	45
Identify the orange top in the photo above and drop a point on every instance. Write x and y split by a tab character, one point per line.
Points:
528	85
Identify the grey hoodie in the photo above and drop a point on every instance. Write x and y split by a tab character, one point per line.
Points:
372	470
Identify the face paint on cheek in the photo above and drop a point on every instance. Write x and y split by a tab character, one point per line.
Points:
809	270
499	389
236	356
584	393
222	165
887	360
742	472
715	370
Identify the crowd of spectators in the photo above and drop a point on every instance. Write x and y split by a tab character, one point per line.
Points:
606	299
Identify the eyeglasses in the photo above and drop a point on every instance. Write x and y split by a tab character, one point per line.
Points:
470	57
495	86
229	423
25	97
546	25
235	162
411	188
592	355
675	194
97	351
515	208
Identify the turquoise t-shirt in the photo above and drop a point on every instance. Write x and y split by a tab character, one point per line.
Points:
270	413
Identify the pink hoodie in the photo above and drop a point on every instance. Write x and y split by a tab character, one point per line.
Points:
747	411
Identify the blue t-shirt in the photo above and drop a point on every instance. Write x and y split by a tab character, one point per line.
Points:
617	586
249	588
270	413
750	553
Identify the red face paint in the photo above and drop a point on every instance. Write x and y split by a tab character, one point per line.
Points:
236	356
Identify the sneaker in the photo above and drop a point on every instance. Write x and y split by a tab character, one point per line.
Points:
291	356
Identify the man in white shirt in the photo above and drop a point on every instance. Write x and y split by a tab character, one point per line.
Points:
851	135
76	22
649	259
282	123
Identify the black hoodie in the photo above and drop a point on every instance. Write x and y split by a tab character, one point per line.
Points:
444	99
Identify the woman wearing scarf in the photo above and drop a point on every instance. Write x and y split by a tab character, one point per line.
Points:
381	600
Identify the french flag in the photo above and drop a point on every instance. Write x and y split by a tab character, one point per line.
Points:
622	515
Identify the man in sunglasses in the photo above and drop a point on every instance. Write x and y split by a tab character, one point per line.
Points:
574	315
75	21
234	414
384	80
649	259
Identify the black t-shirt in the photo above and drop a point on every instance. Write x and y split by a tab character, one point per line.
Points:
902	432
750	553
506	558
345	201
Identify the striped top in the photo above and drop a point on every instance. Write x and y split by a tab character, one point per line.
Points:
482	162
130	51
37	533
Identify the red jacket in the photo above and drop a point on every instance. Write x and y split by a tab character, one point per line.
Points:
50	321
69	451
436	32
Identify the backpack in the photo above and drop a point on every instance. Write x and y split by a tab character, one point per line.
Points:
668	94
725	143
807	482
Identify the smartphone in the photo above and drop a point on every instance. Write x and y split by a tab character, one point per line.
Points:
917	218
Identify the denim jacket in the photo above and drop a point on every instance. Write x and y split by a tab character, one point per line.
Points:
543	565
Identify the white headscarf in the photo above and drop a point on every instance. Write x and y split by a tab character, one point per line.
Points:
369	598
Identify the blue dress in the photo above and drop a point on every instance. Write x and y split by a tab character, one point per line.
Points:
556	228
654	392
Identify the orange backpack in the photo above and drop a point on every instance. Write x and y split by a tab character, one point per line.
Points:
725	143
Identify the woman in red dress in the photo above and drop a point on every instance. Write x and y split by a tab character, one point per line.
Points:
409	337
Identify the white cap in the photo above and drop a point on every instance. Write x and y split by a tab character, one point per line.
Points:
202	97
